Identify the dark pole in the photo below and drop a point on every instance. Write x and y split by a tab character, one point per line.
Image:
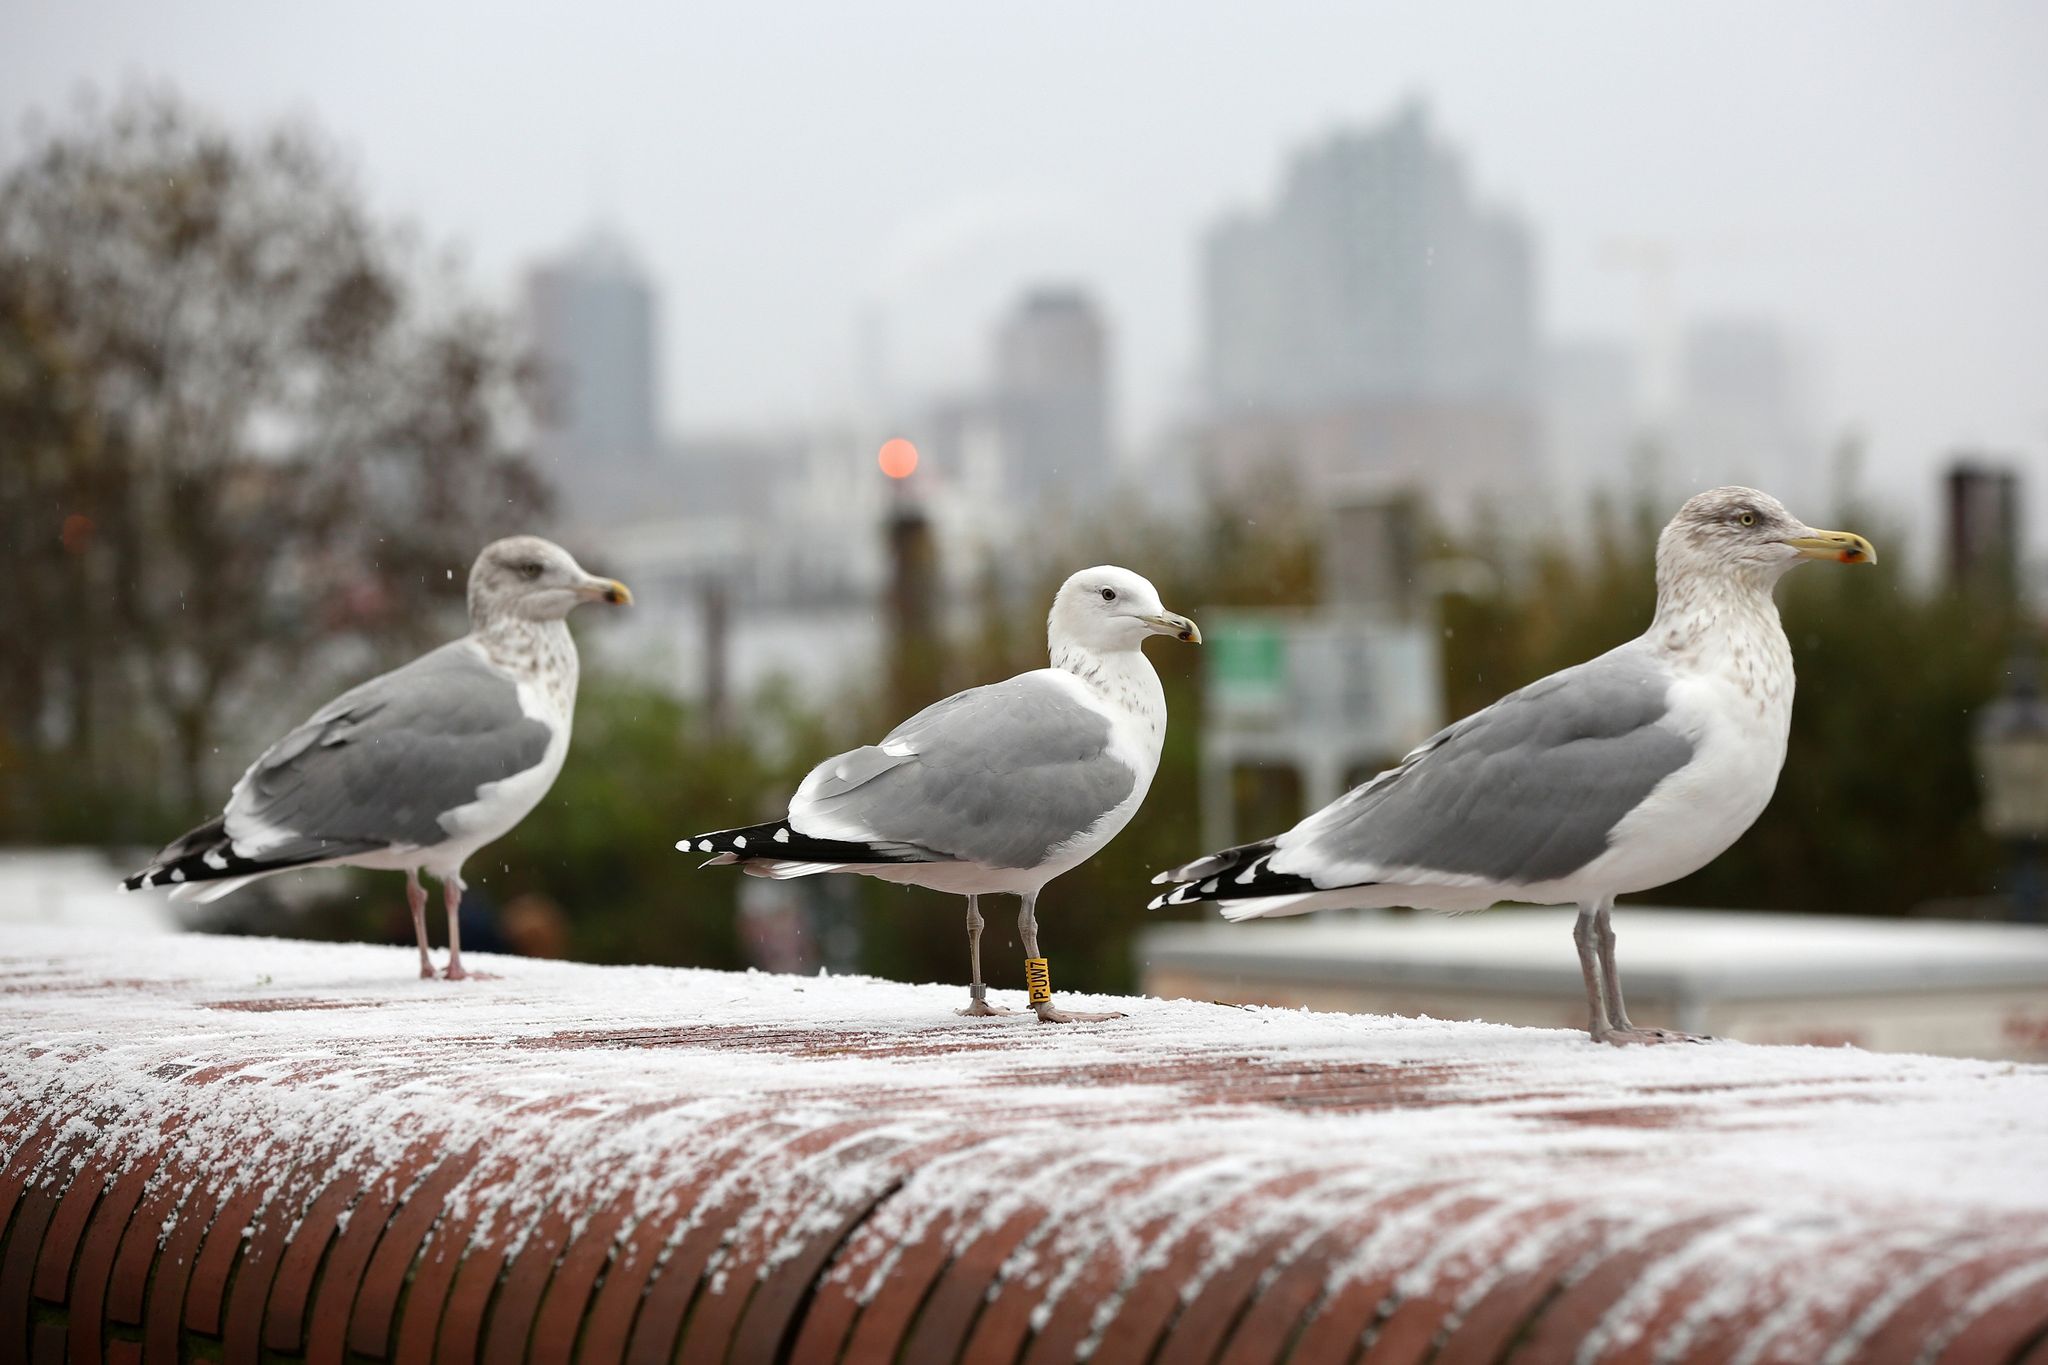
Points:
2028	898
915	666
717	607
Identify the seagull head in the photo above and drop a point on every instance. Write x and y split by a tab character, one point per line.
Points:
1740	532
535	579
1106	609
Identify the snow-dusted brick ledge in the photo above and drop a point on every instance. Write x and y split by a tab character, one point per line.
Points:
241	1148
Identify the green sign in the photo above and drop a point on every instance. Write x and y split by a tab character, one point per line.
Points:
1247	662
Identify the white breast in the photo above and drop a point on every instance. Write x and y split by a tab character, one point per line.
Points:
1125	691
1734	703
500	806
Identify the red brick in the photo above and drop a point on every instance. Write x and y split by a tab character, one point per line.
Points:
678	1284
1567	1320
284	1316
67	1227
96	1257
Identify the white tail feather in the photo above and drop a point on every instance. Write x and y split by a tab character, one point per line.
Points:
782	872
1271	907
205	893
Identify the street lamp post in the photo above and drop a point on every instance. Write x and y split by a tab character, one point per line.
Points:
2012	767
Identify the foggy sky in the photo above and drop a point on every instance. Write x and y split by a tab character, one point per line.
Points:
1870	174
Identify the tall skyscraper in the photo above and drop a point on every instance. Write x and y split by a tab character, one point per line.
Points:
1593	425
1376	322
593	314
1051	394
1742	411
1375	275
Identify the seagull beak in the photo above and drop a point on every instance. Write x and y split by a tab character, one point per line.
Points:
1844	547
606	590
1179	627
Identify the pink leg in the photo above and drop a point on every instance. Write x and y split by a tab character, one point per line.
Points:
416	897
451	898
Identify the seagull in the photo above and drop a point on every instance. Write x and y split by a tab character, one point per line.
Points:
996	790
418	768
1623	773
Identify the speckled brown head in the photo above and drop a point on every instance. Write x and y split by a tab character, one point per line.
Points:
536	580
1746	533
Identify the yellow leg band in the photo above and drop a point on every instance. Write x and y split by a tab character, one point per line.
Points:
1038	979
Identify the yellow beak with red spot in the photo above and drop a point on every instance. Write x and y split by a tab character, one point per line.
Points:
1843	547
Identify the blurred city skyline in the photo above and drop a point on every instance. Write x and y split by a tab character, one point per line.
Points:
800	183
1371	304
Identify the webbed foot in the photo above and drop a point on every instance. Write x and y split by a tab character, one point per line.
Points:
1051	1014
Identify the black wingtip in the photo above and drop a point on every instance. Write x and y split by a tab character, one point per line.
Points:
172	874
159	875
1180	895
1235	874
215	859
734	845
776	841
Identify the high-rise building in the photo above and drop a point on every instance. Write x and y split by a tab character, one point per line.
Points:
1593	424
1742	411
1377	274
1737	414
1377	320
1050	394
593	315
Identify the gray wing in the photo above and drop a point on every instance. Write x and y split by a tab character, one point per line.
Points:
1000	775
383	762
1525	791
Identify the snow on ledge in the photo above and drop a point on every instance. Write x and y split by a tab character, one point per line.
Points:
1795	1197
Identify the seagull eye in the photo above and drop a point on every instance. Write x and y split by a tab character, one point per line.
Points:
530	570
1747	518
1109	594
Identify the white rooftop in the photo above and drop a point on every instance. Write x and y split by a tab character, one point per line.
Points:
1723	954
75	888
